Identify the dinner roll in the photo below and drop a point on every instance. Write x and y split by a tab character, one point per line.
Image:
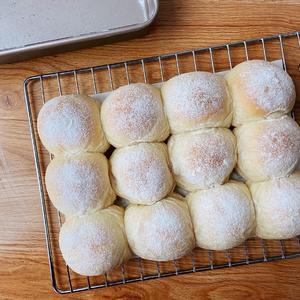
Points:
268	148
196	100
202	159
277	206
71	124
79	184
141	173
259	89
162	231
223	217
94	243
134	113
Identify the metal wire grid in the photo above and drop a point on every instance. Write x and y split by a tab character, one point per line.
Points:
157	271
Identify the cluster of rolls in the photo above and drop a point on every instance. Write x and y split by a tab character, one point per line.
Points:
157	221
197	109
268	145
203	154
92	238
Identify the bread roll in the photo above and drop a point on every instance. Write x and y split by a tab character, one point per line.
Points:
160	232
71	124
141	173
202	159
79	184
95	243
268	148
196	100
134	113
259	89
277	206
223	217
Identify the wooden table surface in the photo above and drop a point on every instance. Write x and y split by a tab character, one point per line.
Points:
24	272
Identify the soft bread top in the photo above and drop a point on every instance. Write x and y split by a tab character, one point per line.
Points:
134	113
268	148
196	100
223	217
277	206
79	184
162	231
202	159
95	243
141	173
71	124
259	89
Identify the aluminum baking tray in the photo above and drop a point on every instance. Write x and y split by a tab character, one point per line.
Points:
97	80
31	28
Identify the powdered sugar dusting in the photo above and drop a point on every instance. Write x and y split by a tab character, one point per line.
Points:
67	123
141	173
223	217
277	205
79	184
94	244
278	147
133	111
162	231
196	95
202	159
268	85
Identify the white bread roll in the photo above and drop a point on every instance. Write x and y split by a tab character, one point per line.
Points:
202	159
95	243
79	184
160	232
277	206
141	173
196	100
134	113
223	217
267	148
259	89
71	124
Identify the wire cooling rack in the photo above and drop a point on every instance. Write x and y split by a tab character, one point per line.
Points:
154	70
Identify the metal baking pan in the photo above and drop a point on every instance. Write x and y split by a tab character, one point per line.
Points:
31	28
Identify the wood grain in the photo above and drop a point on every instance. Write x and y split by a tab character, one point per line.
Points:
24	272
